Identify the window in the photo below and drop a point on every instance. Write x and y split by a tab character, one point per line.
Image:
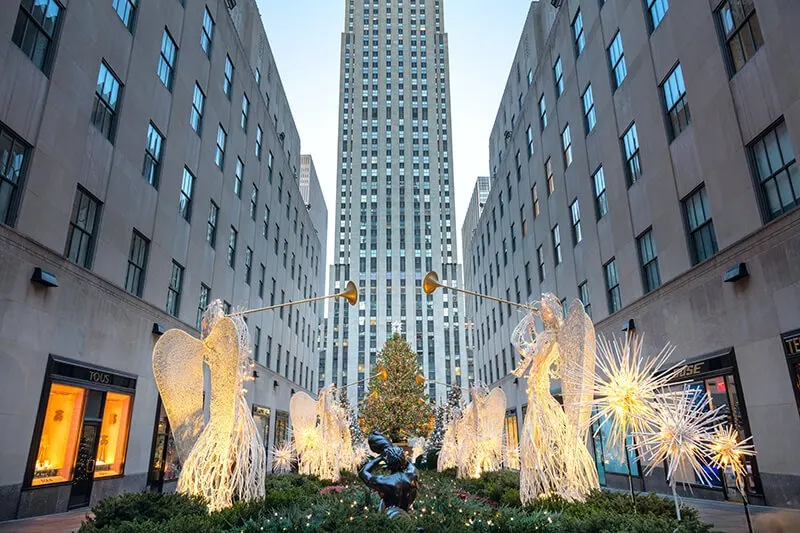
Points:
63	421
535	196
548	172
528	284
248	264
198	102
126	9
253	202
137	262
741	30
185	203
211	229
616	55
166	63
575	218
703	241
202	303
675	100
542	113
777	170
13	155
577	33
227	83
238	177
633	167
529	141
656	9
600	199
649	261
219	155
259	140
270	160
518	165
232	247
612	286
556	245
207	35
523	222
83	228
152	155
558	77
106	99
110	460
174	290
540	259
35	30
566	145
589	116
261	275
583	293
245	112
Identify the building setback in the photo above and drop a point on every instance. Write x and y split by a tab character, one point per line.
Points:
644	163
314	201
149	164
394	210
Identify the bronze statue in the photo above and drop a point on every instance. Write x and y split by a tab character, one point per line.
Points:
399	488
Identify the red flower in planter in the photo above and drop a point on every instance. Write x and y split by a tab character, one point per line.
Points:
331	488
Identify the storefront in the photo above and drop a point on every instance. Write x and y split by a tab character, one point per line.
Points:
512	439
262	416
80	436
791	348
165	467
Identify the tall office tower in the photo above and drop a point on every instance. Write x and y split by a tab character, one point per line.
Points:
394	211
311	192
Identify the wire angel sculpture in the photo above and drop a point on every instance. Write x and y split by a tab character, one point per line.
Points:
321	433
224	459
448	454
553	453
479	433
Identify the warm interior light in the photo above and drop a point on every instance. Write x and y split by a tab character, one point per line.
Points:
59	440
113	436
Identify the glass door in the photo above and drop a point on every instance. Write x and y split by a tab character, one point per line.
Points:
84	465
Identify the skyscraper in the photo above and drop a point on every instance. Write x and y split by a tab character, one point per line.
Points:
394	212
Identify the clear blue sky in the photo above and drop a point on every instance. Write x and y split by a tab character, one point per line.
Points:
305	36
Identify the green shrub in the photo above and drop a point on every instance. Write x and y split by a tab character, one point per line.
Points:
144	506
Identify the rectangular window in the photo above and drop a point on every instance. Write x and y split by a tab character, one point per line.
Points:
63	417
248	264
270	160
530	76
207	35
656	9
558	77
166	62
535	196
187	187
528	284
649	261
137	263
556	233
238	178
599	188
202	303
518	165
198	103
219	155
253	202
245	112
110	460
106	99
13	156
265	229
211	229
152	155
741	31
548	172
259	140
577	33
523	222
589	115
174	290
529	141
575	218
566	145
35	30
616	57
126	9
232	247
227	83
542	113
612	286
674	92
583	293
703	240
777	170
630	144
83	228
540	259
261	276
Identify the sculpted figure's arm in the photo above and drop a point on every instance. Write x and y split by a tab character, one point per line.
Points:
366	475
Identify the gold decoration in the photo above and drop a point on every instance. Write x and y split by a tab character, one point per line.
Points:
350	293
382	373
431	282
728	451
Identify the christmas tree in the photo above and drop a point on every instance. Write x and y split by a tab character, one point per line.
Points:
356	436
397	404
444	415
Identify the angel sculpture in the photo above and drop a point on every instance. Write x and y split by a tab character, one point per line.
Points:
553	453
321	433
224	459
448	454
479	433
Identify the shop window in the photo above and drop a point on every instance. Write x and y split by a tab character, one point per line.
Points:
281	427
261	415
164	464
62	427
512	439
113	436
613	458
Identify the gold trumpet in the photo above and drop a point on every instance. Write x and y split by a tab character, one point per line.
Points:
350	293
431	282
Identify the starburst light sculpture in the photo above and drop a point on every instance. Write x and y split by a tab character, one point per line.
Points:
729	452
282	457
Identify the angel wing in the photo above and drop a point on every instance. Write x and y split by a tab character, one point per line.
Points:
577	342
493	413
303	412
178	371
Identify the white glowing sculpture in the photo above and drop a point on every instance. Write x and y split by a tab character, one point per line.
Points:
282	457
223	460
448	454
553	453
321	432
479	433
417	447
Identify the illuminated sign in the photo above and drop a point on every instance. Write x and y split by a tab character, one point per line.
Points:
791	343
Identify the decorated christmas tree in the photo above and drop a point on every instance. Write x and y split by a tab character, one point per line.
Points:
396	403
356	435
444	415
